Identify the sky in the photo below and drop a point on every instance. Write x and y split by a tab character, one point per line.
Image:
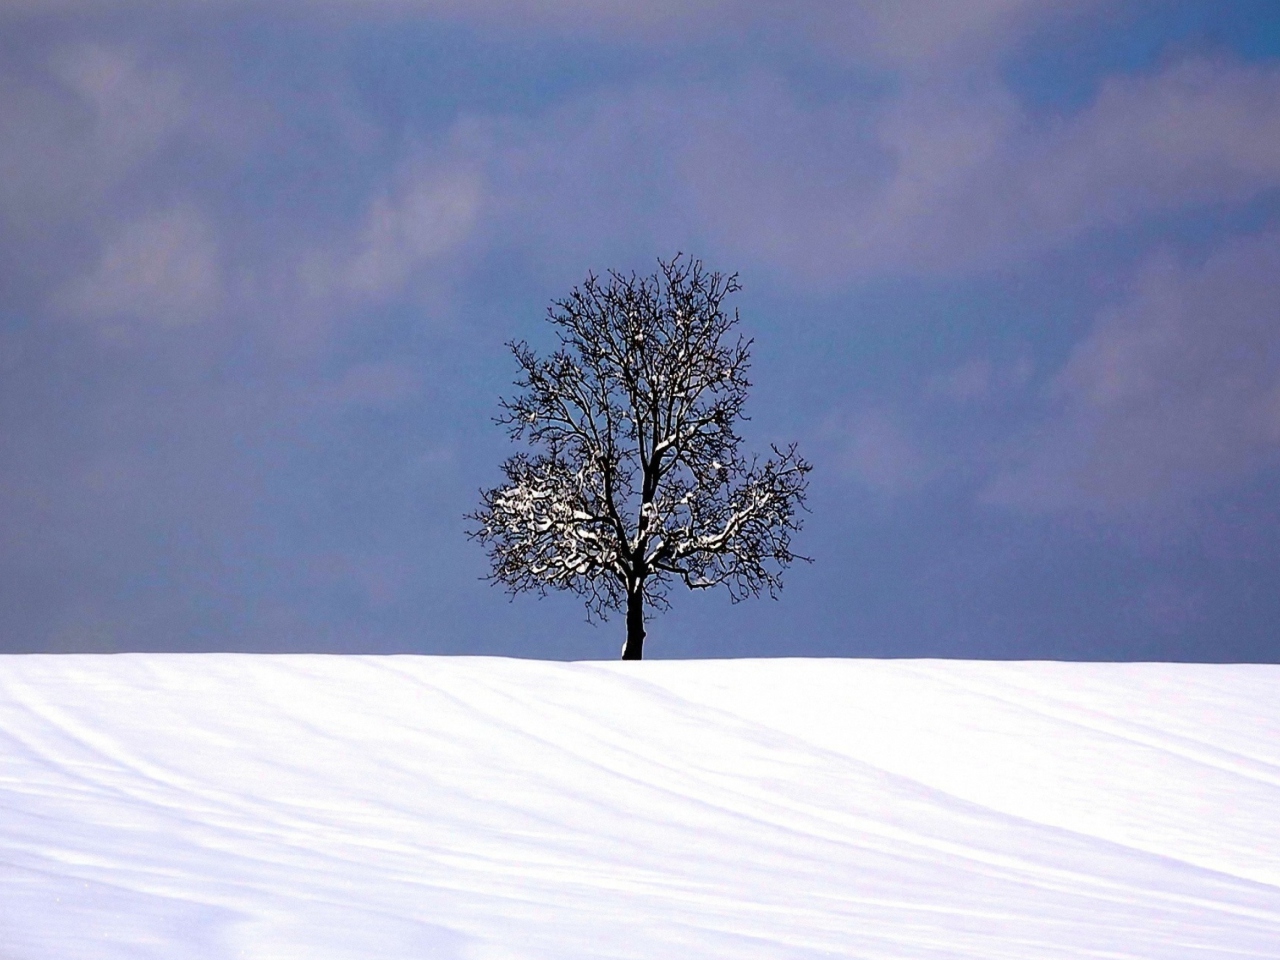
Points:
1010	266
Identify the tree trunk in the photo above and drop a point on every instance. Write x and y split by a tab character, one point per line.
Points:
634	647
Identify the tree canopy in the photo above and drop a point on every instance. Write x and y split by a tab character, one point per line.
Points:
634	479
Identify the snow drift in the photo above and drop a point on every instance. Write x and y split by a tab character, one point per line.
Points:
326	808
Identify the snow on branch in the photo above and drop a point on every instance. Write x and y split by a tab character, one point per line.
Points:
634	479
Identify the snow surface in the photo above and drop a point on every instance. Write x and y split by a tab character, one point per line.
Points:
326	808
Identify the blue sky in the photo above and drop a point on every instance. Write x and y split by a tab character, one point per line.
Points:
1010	267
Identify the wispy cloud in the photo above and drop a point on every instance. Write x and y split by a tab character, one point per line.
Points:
163	268
949	180
1175	392
980	378
873	448
423	213
134	108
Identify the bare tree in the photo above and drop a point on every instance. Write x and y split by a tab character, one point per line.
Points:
636	480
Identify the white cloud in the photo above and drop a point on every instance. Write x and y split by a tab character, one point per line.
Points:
940	177
162	268
73	124
403	246
377	385
427	214
980	379
423	213
874	449
940	180
135	108
1176	390
1200	132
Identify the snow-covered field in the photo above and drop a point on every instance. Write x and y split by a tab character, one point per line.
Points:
377	808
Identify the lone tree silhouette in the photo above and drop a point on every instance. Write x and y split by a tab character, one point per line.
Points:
635	480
